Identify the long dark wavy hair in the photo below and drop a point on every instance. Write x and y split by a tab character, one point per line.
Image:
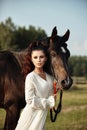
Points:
28	65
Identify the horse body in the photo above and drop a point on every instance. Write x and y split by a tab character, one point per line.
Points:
11	88
12	82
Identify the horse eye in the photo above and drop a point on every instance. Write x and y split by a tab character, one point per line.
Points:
53	54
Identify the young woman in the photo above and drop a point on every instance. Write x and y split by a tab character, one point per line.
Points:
38	89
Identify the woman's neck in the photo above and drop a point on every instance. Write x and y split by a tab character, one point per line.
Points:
39	70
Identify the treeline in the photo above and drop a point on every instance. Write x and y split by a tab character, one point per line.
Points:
17	37
78	66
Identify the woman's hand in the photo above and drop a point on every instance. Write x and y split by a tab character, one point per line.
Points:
51	101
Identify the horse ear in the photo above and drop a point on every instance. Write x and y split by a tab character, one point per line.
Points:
54	32
66	35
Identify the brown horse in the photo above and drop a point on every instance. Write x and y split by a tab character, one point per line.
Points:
12	82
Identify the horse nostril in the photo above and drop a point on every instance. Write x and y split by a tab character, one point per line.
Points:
66	83
63	82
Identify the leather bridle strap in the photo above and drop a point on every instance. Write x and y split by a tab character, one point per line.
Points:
59	107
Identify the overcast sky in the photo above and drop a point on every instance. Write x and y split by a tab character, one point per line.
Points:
65	14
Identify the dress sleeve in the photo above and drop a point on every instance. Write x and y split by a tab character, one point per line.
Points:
35	101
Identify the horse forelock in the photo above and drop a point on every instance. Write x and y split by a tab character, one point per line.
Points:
59	45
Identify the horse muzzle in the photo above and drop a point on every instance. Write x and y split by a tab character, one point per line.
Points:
67	83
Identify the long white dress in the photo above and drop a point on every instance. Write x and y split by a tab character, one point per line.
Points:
38	98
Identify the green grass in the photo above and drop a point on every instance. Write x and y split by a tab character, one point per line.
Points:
74	111
72	120
2	118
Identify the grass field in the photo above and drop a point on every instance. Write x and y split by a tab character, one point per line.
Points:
74	111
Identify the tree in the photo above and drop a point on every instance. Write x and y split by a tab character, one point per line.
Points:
78	65
25	36
12	37
6	35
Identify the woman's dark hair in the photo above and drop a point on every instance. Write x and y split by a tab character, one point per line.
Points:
28	65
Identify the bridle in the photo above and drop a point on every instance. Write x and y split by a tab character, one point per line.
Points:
59	106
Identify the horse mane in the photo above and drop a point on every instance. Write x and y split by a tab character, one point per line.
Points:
9	65
20	56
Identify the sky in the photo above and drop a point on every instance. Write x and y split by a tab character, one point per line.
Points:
46	14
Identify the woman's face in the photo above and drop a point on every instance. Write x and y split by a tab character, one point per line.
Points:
38	58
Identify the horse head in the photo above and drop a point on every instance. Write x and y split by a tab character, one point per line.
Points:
60	54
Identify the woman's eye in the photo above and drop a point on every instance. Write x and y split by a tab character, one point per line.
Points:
41	56
35	57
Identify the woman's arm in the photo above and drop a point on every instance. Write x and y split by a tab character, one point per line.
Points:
33	100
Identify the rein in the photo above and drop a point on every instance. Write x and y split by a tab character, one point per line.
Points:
59	106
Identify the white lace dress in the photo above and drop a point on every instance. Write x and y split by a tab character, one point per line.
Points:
38	98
